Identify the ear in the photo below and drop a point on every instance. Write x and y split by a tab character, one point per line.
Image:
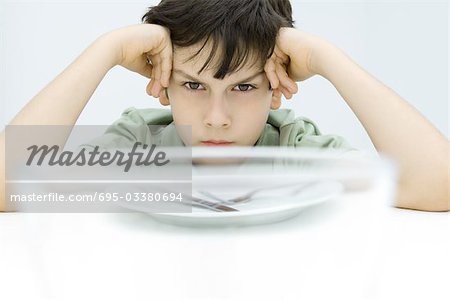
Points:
276	99
164	97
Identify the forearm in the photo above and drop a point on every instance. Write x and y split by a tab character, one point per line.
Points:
2	171
63	99
396	129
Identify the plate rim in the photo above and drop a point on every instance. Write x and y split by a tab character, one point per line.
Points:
339	188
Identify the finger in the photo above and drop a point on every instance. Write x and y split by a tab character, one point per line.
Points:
149	88
285	80
163	99
156	89
276	99
269	68
277	93
166	65
287	94
157	66
153	73
276	103
152	89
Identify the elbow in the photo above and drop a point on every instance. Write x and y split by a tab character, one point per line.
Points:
2	198
425	187
431	205
2	195
2	203
425	198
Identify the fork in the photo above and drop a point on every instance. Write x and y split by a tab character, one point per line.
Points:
206	204
203	203
247	196
215	206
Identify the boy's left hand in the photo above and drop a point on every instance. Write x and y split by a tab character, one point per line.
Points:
292	60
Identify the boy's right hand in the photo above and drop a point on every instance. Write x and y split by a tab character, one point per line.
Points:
138	44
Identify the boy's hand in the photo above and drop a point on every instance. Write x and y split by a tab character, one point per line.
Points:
292	60
145	49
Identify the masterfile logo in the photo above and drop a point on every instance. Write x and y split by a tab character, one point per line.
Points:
86	169
95	157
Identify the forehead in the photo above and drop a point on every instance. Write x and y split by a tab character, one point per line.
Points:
187	59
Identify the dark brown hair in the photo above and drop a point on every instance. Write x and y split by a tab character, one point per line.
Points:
243	28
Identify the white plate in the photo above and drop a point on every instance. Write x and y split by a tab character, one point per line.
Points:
228	172
260	210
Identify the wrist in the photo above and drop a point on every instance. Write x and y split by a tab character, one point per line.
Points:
324	58
110	49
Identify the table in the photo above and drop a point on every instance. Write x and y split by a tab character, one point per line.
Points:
354	247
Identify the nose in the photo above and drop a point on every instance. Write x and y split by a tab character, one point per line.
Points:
217	114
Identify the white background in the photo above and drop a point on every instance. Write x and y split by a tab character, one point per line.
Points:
402	43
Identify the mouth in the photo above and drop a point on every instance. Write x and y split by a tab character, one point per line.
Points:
216	143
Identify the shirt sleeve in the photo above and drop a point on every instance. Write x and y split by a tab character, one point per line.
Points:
304	133
123	133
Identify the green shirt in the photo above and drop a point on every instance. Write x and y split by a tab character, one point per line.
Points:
282	129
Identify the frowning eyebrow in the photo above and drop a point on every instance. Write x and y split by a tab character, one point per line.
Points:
190	77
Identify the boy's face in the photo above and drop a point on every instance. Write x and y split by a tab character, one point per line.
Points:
234	109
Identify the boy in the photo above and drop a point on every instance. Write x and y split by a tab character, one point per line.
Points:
222	66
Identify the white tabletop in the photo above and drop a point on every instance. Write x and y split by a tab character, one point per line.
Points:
354	247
